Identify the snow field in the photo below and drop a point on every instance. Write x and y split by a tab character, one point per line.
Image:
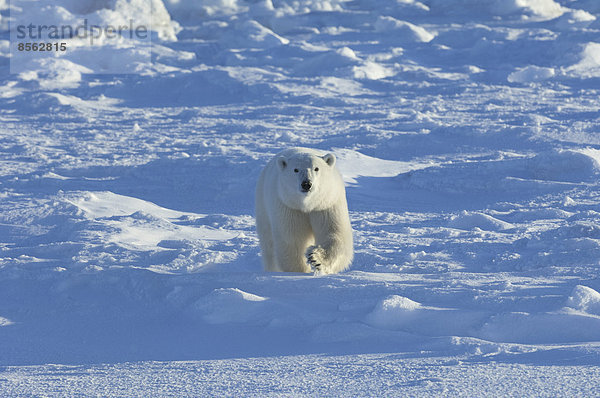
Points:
466	132
303	375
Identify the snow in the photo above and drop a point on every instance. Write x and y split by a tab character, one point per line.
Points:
401	313
526	9
541	8
531	73
138	225
404	30
585	299
589	63
466	133
470	220
313	374
353	164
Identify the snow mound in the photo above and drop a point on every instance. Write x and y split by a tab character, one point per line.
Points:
589	65
531	73
227	305
397	305
535	9
401	313
403	31
394	312
343	62
543	9
334	85
469	220
539	214
584	299
353	164
326	62
140	225
252	34
52	73
372	71
565	165
304	6
540	328
194	8
575	19
108	204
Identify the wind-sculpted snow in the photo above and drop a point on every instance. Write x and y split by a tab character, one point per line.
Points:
466	133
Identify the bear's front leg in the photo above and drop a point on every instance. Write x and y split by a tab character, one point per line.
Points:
332	251
291	235
290	257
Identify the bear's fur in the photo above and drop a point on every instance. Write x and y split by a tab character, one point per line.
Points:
302	215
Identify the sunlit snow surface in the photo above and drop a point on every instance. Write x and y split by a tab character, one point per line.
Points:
468	136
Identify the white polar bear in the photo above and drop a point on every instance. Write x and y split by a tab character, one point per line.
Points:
302	215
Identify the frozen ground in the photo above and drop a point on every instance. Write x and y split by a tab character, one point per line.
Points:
467	132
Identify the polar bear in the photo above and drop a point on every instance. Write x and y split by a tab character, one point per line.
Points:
302	215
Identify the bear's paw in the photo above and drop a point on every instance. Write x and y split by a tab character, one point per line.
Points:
316	257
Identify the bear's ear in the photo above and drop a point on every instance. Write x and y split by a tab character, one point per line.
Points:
281	162
329	159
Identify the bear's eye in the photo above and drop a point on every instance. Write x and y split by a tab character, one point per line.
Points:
316	169
295	170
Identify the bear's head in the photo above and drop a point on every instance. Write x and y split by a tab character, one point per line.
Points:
309	182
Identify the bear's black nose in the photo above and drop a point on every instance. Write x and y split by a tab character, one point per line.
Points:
306	185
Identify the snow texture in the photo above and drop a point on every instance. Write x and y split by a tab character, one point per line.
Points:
467	135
